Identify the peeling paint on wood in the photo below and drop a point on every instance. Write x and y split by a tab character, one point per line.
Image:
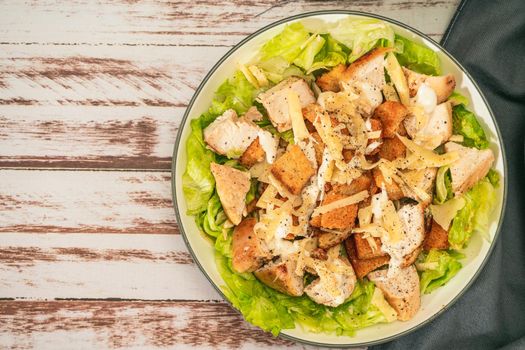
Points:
86	201
76	265
116	324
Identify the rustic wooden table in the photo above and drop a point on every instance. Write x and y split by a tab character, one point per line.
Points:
91	96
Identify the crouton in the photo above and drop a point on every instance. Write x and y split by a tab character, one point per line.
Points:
280	275
318	147
310	112
437	238
362	183
348	154
391	149
331	239
401	290
275	100
362	267
248	251
226	179
393	190
472	166
443	85
293	170
338	219
329	81
438	126
253	154
391	114
364	250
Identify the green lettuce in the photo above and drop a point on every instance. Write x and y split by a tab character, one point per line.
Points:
361	35
458	99
331	54
443	188
273	311
235	93
465	123
198	183
416	57
479	203
288	44
447	266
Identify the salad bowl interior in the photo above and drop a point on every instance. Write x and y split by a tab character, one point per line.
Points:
478	249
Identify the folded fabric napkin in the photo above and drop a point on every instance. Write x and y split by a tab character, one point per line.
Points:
488	38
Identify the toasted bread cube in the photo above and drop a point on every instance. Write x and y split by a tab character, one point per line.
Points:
280	275
330	239
437	238
329	81
363	267
362	183
339	219
393	190
391	149
293	170
391	114
253	154
401	290
310	112
248	251
364	250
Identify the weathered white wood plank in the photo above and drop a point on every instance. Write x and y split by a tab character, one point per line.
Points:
86	201
88	136
186	22
130	325
102	75
99	266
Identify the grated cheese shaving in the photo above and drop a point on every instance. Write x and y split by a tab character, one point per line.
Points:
248	75
398	78
294	110
421	157
353	199
259	75
443	214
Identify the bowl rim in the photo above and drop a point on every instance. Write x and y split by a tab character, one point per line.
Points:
388	20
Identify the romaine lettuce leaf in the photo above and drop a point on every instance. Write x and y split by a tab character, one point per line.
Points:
443	189
288	44
480	201
465	123
236	93
198	183
458	99
331	54
310	51
416	57
446	266
361	35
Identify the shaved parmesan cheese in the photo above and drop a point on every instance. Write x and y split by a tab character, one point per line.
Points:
364	215
269	194
379	301
372	243
259	75
371	147
371	230
294	110
443	214
353	199
433	265
398	78
421	157
392	222
248	75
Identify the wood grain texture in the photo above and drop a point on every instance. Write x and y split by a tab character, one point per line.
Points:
47	201
187	22
137	325
100	266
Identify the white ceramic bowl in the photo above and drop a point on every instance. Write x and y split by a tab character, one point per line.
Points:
478	250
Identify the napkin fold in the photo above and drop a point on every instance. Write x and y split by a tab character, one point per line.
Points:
488	38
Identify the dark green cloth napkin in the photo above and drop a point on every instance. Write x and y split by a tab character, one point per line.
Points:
488	38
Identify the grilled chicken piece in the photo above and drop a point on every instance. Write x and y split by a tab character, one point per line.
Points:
248	250
280	275
439	125
391	114
275	100
472	166
329	81
401	291
335	284
293	170
232	187
413	220
443	85
231	136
